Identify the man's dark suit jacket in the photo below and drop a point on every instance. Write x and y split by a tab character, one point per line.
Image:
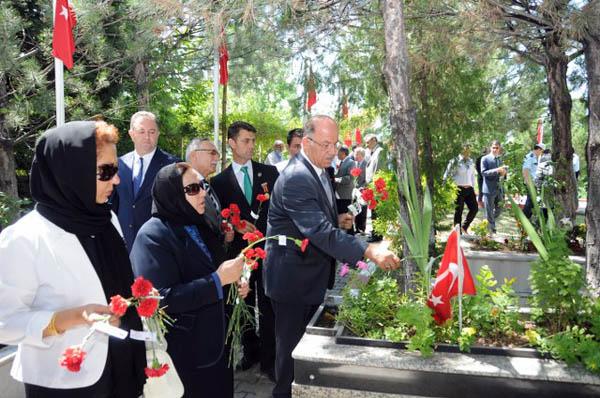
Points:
228	190
134	212
491	177
300	209
167	256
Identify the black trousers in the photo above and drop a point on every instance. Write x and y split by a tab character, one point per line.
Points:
361	219
215	381
290	323
465	195
528	208
261	346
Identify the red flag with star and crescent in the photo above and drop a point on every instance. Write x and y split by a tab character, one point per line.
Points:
447	281
312	91
63	45
223	59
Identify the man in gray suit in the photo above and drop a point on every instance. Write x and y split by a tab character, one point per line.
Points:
344	183
303	206
492	170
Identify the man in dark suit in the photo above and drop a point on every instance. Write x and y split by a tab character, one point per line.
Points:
344	182
492	170
361	163
204	157
240	183
303	206
132	200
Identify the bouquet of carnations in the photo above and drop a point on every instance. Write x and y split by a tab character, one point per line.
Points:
366	196
145	299
242	318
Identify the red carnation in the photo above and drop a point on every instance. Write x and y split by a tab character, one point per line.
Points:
147	307
249	254
72	358
304	245
234	208
259	235
157	372
372	204
367	194
379	184
385	195
235	220
241	224
253	265
260	253
225	213
141	287
262	197
118	305
355	172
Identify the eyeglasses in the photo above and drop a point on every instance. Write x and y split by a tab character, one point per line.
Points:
192	189
106	172
326	146
213	152
142	131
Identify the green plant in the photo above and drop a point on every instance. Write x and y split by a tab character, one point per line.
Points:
388	211
482	239
417	229
444	201
9	208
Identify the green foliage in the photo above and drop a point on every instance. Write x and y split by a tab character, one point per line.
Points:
444	201
417	228
493	311
387	222
482	239
9	209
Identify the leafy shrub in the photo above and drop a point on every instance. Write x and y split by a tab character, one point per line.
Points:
9	209
444	201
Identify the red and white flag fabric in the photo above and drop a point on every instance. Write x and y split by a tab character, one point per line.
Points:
358	136
63	45
312	91
540	131
448	280
223	59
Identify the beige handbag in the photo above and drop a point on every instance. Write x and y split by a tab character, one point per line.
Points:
168	385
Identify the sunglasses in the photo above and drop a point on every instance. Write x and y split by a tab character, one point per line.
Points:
106	172
192	189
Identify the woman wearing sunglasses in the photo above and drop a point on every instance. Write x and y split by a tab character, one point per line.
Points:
181	255
61	263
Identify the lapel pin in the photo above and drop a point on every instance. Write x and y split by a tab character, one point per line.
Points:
259	174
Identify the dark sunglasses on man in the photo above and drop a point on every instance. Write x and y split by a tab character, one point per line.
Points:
192	189
106	172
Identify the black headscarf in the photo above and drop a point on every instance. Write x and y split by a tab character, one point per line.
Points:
63	183
169	204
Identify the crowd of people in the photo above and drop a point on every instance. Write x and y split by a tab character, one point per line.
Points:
100	221
490	172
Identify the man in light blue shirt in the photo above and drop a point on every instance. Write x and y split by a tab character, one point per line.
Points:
530	164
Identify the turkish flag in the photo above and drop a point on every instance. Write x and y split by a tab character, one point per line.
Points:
540	131
312	92
447	280
358	136
223	59
63	45
348	140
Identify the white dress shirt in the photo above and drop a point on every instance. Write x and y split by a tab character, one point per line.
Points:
239	174
136	164
462	171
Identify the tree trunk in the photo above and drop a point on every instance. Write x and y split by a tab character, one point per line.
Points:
427	161
8	177
592	214
402	114
141	84
560	110
224	129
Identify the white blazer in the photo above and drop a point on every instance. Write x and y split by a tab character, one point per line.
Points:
44	269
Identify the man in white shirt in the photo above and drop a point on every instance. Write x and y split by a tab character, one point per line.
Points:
462	170
132	200
294	140
276	155
242	182
576	165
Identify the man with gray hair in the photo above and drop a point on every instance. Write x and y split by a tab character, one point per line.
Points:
132	200
204	157
276	155
303	207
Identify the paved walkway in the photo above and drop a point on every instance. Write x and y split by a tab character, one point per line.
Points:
252	384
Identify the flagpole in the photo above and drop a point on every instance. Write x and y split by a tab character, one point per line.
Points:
460	277
216	99
59	82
